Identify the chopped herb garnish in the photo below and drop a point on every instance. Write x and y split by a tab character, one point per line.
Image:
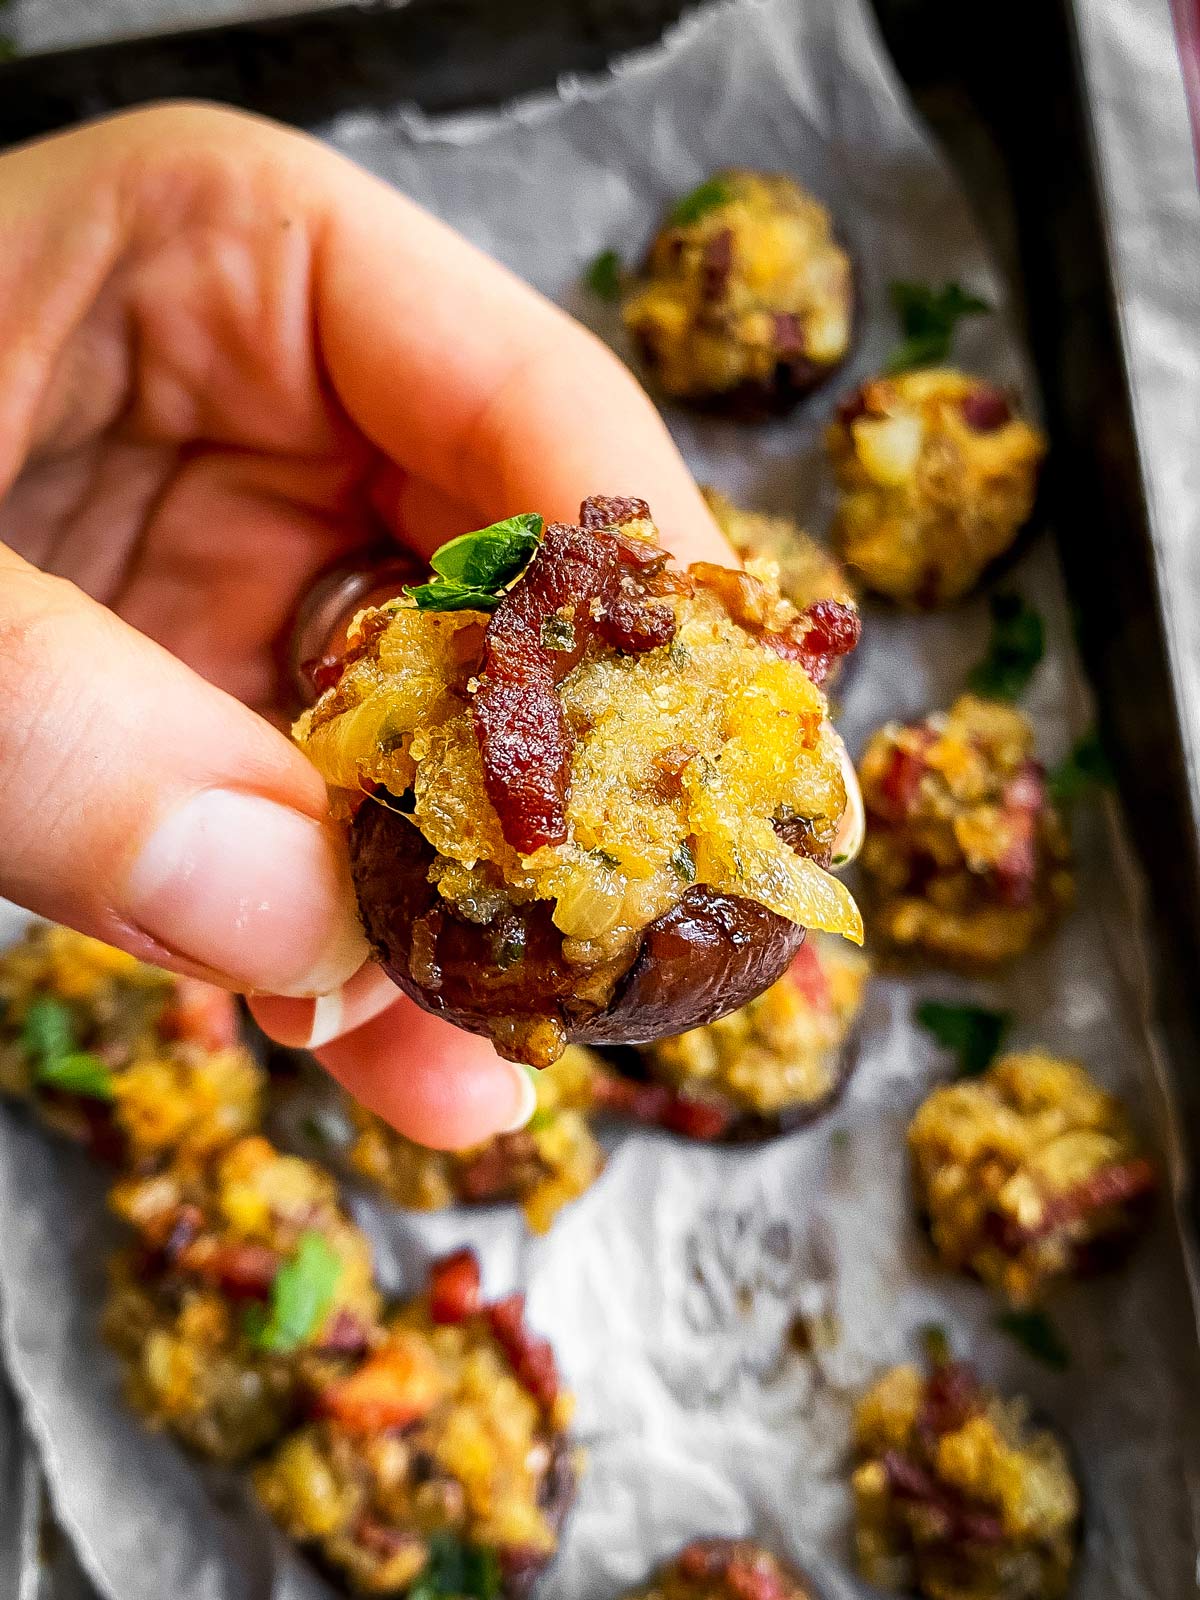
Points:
48	1038
603	276
605	857
457	1571
683	863
935	1342
927	319
301	1294
473	571
973	1032
79	1073
508	947
1086	768
557	633
705	197
1035	1332
1017	644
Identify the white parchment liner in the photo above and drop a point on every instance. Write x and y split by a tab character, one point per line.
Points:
673	1291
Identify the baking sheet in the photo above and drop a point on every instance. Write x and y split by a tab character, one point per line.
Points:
716	1310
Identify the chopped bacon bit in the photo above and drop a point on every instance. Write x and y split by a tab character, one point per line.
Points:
810	977
454	1287
956	1521
383	1539
656	1106
822	633
902	779
242	1269
524	738
716	264
755	1577
345	1333
952	1397
705	1558
788	333
613	511
852	408
1022	803
393	1388
202	1014
322	672
986	410
1116	1184
635	625
530	1357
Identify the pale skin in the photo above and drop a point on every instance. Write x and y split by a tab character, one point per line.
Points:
227	356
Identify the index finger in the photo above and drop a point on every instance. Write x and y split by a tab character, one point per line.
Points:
472	381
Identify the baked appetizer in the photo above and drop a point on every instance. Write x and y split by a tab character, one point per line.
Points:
966	857
543	1166
724	1569
590	797
957	1494
247	1286
937	474
1028	1173
439	1465
807	571
746	299
135	1062
774	1063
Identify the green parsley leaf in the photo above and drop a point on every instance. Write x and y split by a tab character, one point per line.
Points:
927	318
457	1571
1017	644
683	863
705	197
49	1030
490	557
300	1297
452	597
1034	1331
603	276
974	1032
472	571
78	1073
1086	768
48	1038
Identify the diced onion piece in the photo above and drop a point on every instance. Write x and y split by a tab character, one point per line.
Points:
889	447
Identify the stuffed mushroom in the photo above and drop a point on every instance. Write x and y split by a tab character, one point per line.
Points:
769	1066
746	298
440	1464
590	797
966	858
1028	1173
937	475
724	1569
133	1061
958	1495
807	571
543	1166
247	1286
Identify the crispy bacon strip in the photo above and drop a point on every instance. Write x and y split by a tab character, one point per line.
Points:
584	581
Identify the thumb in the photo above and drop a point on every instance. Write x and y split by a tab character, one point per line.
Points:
148	808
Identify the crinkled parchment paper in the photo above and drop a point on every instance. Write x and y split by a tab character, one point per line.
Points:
715	1310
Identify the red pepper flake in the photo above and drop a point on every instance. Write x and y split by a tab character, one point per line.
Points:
454	1287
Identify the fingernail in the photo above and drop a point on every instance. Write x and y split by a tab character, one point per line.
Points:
328	1012
526	1090
250	889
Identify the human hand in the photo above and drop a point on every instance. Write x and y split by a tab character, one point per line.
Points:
229	357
